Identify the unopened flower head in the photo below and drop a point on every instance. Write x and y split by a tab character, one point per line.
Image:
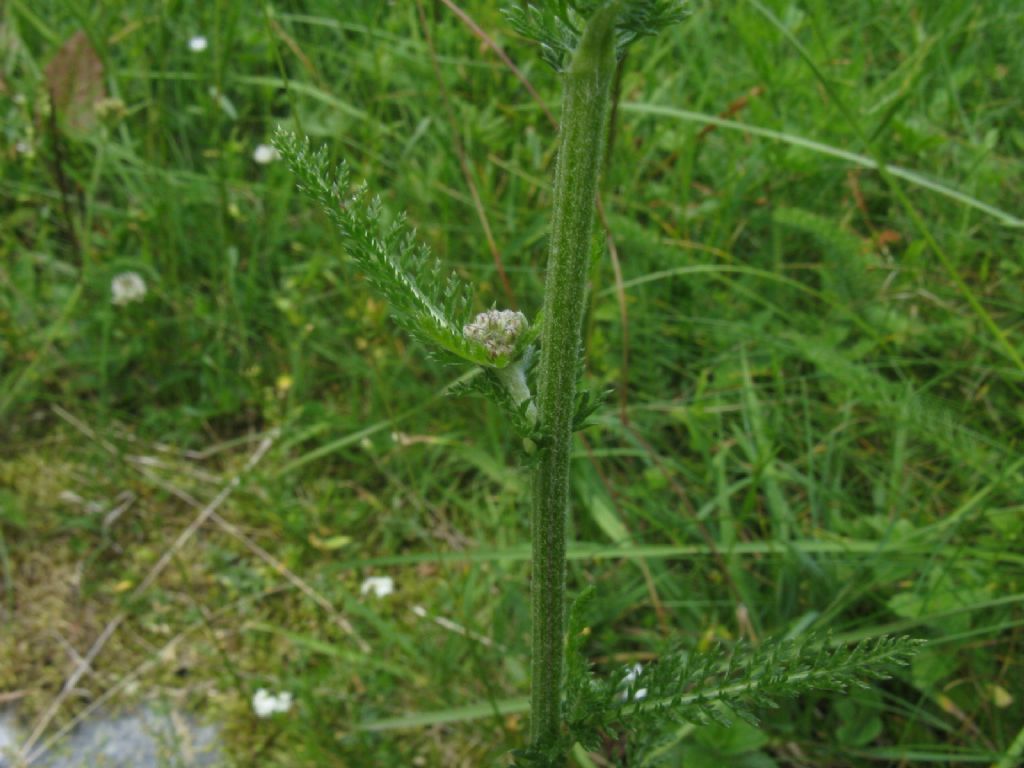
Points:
126	288
380	586
197	43
265	703
264	154
497	330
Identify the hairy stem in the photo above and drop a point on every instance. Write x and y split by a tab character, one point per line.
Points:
586	84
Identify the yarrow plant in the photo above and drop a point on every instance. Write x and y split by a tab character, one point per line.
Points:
532	370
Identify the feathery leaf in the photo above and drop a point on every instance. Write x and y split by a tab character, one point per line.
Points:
710	686
430	305
558	24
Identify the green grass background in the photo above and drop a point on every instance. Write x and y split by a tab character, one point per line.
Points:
818	388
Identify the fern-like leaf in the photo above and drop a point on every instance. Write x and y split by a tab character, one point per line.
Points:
703	687
557	25
490	385
845	270
588	403
432	306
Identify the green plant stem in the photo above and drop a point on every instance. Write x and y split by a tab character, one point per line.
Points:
586	88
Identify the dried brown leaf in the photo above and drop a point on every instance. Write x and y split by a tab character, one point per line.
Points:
74	78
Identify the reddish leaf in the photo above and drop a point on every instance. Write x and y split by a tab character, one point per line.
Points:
887	236
75	80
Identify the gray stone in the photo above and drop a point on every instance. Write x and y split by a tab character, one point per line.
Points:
8	735
146	738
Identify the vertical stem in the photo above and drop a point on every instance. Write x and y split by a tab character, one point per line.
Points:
586	84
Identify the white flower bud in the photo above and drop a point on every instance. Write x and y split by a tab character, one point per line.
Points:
497	330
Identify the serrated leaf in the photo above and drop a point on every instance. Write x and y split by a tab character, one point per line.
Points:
488	384
432	306
706	686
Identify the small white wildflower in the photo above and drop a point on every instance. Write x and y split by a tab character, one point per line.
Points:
266	704
380	586
497	330
126	288
198	43
265	154
22	147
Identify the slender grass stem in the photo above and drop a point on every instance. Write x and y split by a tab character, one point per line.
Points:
586	83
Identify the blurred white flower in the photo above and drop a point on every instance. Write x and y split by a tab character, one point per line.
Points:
126	288
198	43
264	154
380	586
265	703
22	147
